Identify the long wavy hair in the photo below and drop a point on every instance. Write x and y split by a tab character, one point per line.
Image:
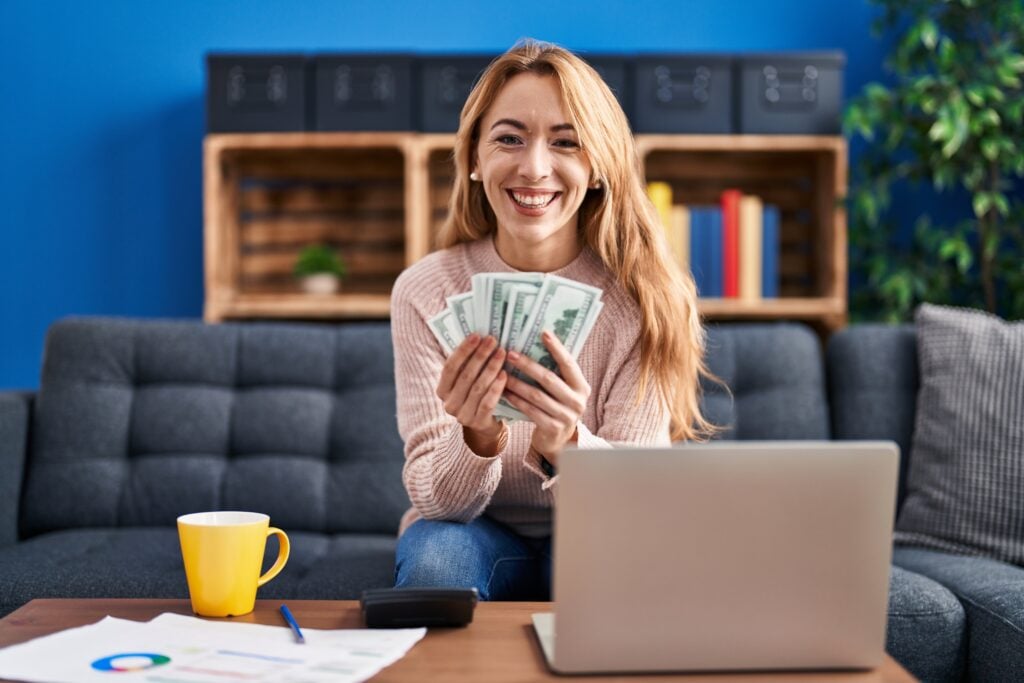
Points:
617	221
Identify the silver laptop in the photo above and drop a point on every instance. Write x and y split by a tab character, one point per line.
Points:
721	557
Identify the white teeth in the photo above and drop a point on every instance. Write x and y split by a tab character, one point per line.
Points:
533	201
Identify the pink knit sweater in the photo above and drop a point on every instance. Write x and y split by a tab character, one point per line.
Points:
444	478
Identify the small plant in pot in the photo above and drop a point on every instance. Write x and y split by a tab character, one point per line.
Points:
319	269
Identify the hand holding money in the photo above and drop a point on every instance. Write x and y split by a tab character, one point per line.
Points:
516	309
556	404
472	381
472	376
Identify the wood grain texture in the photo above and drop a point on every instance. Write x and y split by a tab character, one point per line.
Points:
498	646
386	194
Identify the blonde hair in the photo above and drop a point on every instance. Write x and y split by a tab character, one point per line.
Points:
617	221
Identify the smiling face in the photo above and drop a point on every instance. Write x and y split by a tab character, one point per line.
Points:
534	172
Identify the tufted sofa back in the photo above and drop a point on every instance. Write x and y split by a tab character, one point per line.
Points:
137	422
775	375
873	384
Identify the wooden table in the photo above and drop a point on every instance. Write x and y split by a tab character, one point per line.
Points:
498	646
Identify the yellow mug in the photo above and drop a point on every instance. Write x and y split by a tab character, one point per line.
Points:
223	553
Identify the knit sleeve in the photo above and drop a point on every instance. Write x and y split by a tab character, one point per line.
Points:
443	477
624	420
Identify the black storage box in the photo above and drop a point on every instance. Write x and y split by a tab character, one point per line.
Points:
681	93
614	69
790	93
445	82
363	92
250	93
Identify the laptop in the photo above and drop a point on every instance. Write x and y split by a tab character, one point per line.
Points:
721	557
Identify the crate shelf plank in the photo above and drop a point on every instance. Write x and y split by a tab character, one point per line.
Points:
381	198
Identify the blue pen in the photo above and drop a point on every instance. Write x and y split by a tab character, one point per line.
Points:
287	614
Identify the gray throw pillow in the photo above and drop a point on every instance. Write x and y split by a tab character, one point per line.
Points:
965	486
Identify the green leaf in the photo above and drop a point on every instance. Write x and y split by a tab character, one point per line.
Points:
1008	76
929	33
990	149
941	130
982	203
995	94
877	93
947	249
964	260
955	142
1002	203
976	95
947	52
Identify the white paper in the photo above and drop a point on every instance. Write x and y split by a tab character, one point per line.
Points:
177	649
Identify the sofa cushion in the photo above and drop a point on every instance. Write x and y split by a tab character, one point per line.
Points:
137	422
926	630
967	469
872	386
774	375
146	563
992	594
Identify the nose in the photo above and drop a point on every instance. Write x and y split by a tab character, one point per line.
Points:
535	164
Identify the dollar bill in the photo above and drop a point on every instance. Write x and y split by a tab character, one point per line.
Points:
515	308
497	290
461	306
520	302
447	331
563	307
480	298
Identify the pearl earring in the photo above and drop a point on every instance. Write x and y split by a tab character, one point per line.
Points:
474	176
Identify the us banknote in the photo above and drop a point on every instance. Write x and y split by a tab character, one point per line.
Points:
516	308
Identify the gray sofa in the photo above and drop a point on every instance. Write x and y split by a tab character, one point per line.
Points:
136	422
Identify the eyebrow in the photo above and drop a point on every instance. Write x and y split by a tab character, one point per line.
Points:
519	125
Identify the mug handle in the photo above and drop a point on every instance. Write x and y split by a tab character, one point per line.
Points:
283	551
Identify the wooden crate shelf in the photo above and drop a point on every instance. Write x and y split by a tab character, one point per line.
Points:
381	198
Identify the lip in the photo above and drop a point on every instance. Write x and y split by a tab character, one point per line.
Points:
532	192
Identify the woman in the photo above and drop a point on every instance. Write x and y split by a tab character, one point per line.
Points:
547	179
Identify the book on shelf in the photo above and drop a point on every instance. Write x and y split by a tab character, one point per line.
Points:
706	249
749	247
660	194
715	247
770	247
730	243
679	226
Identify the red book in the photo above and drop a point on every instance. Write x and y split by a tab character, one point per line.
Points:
731	243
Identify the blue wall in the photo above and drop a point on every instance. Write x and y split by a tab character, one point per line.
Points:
101	188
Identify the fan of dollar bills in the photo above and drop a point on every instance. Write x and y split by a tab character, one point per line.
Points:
515	308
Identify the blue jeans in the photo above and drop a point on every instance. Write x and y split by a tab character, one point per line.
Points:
483	554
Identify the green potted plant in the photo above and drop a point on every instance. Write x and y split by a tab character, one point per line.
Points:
952	118
319	269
